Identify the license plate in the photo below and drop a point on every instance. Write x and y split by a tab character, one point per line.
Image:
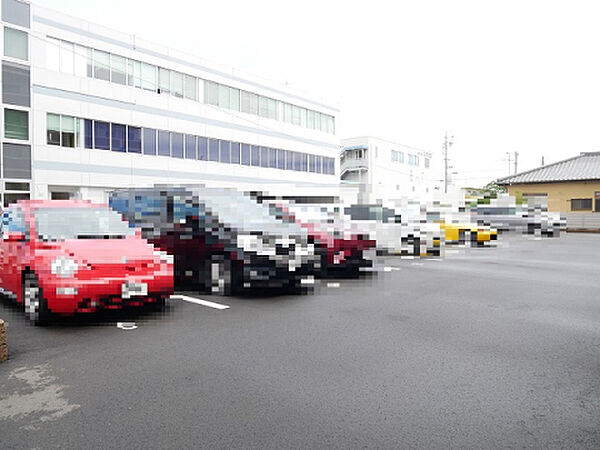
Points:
134	289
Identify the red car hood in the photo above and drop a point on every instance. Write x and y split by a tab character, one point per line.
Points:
102	251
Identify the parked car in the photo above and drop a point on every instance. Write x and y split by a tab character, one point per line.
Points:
222	240
67	256
342	253
385	226
522	218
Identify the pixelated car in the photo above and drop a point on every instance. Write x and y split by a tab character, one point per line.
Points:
385	226
523	218
342	253
69	256
223	241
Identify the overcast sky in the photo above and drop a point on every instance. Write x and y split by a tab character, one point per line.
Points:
500	76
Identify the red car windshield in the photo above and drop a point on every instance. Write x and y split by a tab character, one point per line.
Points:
57	224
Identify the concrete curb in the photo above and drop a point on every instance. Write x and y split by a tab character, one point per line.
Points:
3	341
583	230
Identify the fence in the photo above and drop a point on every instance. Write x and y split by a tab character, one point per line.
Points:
583	221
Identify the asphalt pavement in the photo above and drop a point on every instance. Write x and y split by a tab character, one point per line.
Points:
484	348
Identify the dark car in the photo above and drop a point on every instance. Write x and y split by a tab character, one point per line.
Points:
222	241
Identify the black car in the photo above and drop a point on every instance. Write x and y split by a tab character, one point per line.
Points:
222	241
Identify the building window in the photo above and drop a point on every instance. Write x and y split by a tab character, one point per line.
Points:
87	133
101	65
177	145
249	102
235	152
164	143
312	164
190	146
16	124
66	58
213	149
53	129
134	139
246	154
101	135
281	159
234	99
190	88
118	69
15	84
16	44
16	161
164	84
202	148
581	204
272	158
67	128
211	93
319	162
255	155
225	152
149	142
118	137
15	12
149	77
289	161
177	84
264	157
223	96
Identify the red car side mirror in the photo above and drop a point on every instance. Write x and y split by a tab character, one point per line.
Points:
14	236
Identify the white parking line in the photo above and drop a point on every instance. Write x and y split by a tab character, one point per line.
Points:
199	301
333	285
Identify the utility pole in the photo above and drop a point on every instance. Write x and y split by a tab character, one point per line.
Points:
542	160
509	161
447	144
516	159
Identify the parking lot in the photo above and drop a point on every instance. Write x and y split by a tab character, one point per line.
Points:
484	348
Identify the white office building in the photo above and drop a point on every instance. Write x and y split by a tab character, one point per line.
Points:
87	109
377	170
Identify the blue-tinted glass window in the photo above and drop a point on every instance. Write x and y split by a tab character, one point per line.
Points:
87	132
246	154
190	146
134	140
225	152
289	161
254	155
296	161
101	135
118	137
303	162
149	141
164	143
177	145
213	149
272	157
235	152
319	163
202	148
264	157
312	164
281	159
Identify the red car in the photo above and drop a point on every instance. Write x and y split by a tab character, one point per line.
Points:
341	253
69	256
